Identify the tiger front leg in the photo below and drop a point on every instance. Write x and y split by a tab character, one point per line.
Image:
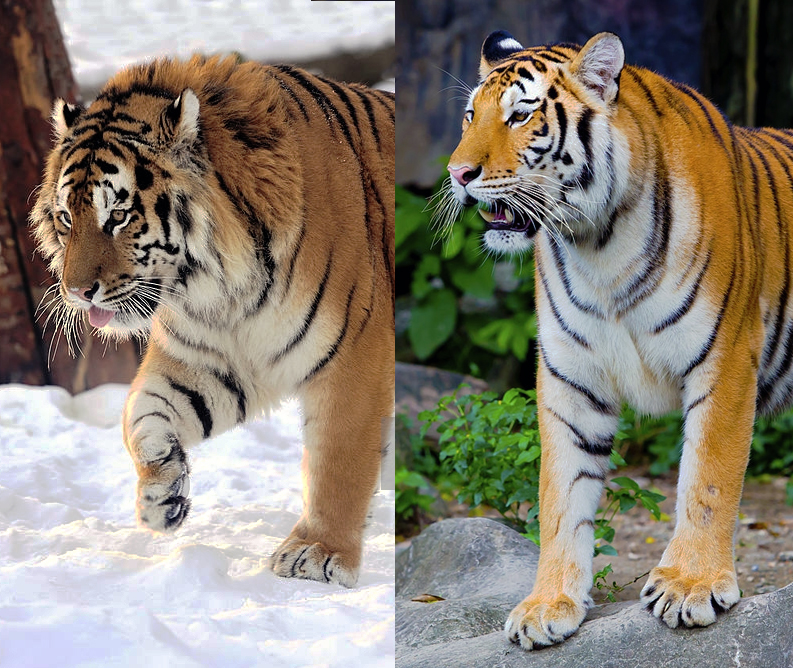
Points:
341	464
576	432
696	577
170	407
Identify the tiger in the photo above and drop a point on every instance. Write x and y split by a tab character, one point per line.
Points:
240	218
662	239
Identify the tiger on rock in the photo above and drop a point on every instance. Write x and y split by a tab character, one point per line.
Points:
662	240
241	218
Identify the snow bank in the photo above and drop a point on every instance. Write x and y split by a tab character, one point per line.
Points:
81	585
102	37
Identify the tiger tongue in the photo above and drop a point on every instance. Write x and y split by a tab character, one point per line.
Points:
99	317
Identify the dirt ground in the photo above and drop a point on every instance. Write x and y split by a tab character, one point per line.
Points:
763	543
763	547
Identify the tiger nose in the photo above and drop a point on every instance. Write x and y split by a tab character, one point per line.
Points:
86	294
464	175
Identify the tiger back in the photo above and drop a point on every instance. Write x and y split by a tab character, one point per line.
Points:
662	241
241	218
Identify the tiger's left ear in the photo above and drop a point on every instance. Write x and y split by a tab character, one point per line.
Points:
598	65
497	47
180	120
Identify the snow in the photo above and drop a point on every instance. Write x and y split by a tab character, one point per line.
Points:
82	585
100	42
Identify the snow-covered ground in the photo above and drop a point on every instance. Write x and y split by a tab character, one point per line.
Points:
82	585
103	36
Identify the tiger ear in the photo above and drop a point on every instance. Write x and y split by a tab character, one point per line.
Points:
598	65
180	120
497	47
64	116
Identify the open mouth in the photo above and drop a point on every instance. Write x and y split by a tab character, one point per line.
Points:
497	217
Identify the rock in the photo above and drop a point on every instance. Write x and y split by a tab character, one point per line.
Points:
483	568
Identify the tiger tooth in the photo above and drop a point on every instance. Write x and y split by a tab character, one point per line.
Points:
487	215
509	216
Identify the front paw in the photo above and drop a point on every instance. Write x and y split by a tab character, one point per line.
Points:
163	487
538	622
298	558
694	600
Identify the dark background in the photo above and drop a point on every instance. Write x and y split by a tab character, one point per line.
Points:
714	45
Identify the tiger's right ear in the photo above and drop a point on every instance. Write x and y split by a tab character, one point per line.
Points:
64	116
497	47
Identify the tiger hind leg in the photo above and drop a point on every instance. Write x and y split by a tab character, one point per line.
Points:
341	465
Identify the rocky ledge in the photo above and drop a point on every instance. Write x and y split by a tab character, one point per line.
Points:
482	569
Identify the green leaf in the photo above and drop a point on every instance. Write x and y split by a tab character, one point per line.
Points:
528	455
606	549
453	242
476	281
432	322
627	483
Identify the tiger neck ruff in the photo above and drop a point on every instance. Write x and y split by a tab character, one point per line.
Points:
192	203
662	238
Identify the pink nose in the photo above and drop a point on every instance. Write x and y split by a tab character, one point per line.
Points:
464	175
83	293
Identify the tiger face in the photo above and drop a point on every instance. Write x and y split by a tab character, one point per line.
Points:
536	149
104	214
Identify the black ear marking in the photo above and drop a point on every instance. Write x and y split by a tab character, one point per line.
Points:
499	45
173	112
71	113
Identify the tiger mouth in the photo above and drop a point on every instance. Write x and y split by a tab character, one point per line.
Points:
498	217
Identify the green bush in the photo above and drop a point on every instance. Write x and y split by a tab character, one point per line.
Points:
459	317
493	445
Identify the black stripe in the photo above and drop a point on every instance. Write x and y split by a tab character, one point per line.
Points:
703	353
231	383
183	216
330	111
152	414
684	308
574	300
589	475
367	105
163	209
312	311
597	404
198	403
143	177
599	447
584	134
163	399
295	253
580	340
647	93
342	95
696	403
106	167
561	117
701	103
336	344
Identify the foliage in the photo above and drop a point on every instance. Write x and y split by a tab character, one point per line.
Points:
658	438
771	450
494	446
458	312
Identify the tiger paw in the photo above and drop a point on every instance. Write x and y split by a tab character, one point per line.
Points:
297	558
536	622
163	487
694	601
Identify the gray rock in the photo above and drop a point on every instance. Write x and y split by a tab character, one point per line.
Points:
482	568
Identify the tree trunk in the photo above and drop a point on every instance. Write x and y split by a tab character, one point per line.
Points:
34	71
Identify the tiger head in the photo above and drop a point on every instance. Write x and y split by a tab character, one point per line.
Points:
104	213
537	150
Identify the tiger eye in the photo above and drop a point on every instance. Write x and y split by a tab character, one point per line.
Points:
118	215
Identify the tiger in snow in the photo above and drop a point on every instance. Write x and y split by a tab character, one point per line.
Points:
662	241
241	217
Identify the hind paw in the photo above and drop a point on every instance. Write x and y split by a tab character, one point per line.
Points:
297	558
